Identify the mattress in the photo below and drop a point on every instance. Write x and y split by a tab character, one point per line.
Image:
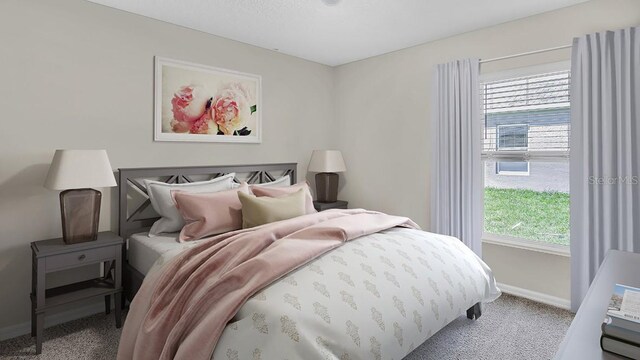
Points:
144	251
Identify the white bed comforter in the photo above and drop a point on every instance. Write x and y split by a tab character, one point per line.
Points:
376	297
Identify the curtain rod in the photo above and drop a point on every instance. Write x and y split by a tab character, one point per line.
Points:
525	53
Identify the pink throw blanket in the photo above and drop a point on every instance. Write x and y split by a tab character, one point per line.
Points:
181	310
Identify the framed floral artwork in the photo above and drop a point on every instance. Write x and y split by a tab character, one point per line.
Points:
203	103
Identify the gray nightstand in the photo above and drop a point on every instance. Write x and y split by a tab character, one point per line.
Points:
54	255
320	206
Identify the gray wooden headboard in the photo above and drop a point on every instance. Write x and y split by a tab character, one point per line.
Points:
136	214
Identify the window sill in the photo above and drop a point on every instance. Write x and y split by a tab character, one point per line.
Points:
529	245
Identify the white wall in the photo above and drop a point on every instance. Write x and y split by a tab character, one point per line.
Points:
79	75
383	107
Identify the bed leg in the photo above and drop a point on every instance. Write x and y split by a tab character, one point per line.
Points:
474	312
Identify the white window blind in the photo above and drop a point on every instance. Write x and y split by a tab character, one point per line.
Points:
526	117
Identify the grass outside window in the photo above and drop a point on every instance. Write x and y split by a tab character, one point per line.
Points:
533	215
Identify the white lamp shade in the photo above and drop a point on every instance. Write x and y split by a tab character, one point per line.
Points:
77	169
327	161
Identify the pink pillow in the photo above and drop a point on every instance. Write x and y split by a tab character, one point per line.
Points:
209	213
277	192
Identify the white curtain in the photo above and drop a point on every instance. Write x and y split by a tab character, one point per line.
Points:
605	151
456	187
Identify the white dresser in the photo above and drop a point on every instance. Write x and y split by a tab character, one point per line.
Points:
582	341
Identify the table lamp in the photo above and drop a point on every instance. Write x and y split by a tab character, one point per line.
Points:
76	172
326	163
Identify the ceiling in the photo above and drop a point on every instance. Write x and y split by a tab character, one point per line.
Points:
333	35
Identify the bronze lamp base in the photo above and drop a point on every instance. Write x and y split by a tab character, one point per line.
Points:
80	210
327	187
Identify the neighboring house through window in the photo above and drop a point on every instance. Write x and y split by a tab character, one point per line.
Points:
512	137
526	123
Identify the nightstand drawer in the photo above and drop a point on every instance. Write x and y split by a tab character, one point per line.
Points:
64	261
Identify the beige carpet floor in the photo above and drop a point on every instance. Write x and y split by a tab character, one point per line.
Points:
510	328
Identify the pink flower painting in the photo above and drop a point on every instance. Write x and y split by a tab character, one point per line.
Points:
206	104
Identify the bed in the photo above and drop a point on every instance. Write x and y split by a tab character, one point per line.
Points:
378	296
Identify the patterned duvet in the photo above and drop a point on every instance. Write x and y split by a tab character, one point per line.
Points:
376	297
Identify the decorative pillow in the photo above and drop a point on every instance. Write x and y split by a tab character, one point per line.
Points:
209	213
162	202
263	210
276	192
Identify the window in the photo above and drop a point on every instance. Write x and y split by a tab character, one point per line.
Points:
518	168
513	137
526	123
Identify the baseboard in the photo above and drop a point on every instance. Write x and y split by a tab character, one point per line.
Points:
536	296
12	331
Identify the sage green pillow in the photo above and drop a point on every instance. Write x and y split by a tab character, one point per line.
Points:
263	210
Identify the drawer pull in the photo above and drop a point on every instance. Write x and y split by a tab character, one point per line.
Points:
81	257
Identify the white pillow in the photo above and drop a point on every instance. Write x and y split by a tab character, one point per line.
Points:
160	195
279	182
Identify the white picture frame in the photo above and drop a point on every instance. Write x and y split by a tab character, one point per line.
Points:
201	103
